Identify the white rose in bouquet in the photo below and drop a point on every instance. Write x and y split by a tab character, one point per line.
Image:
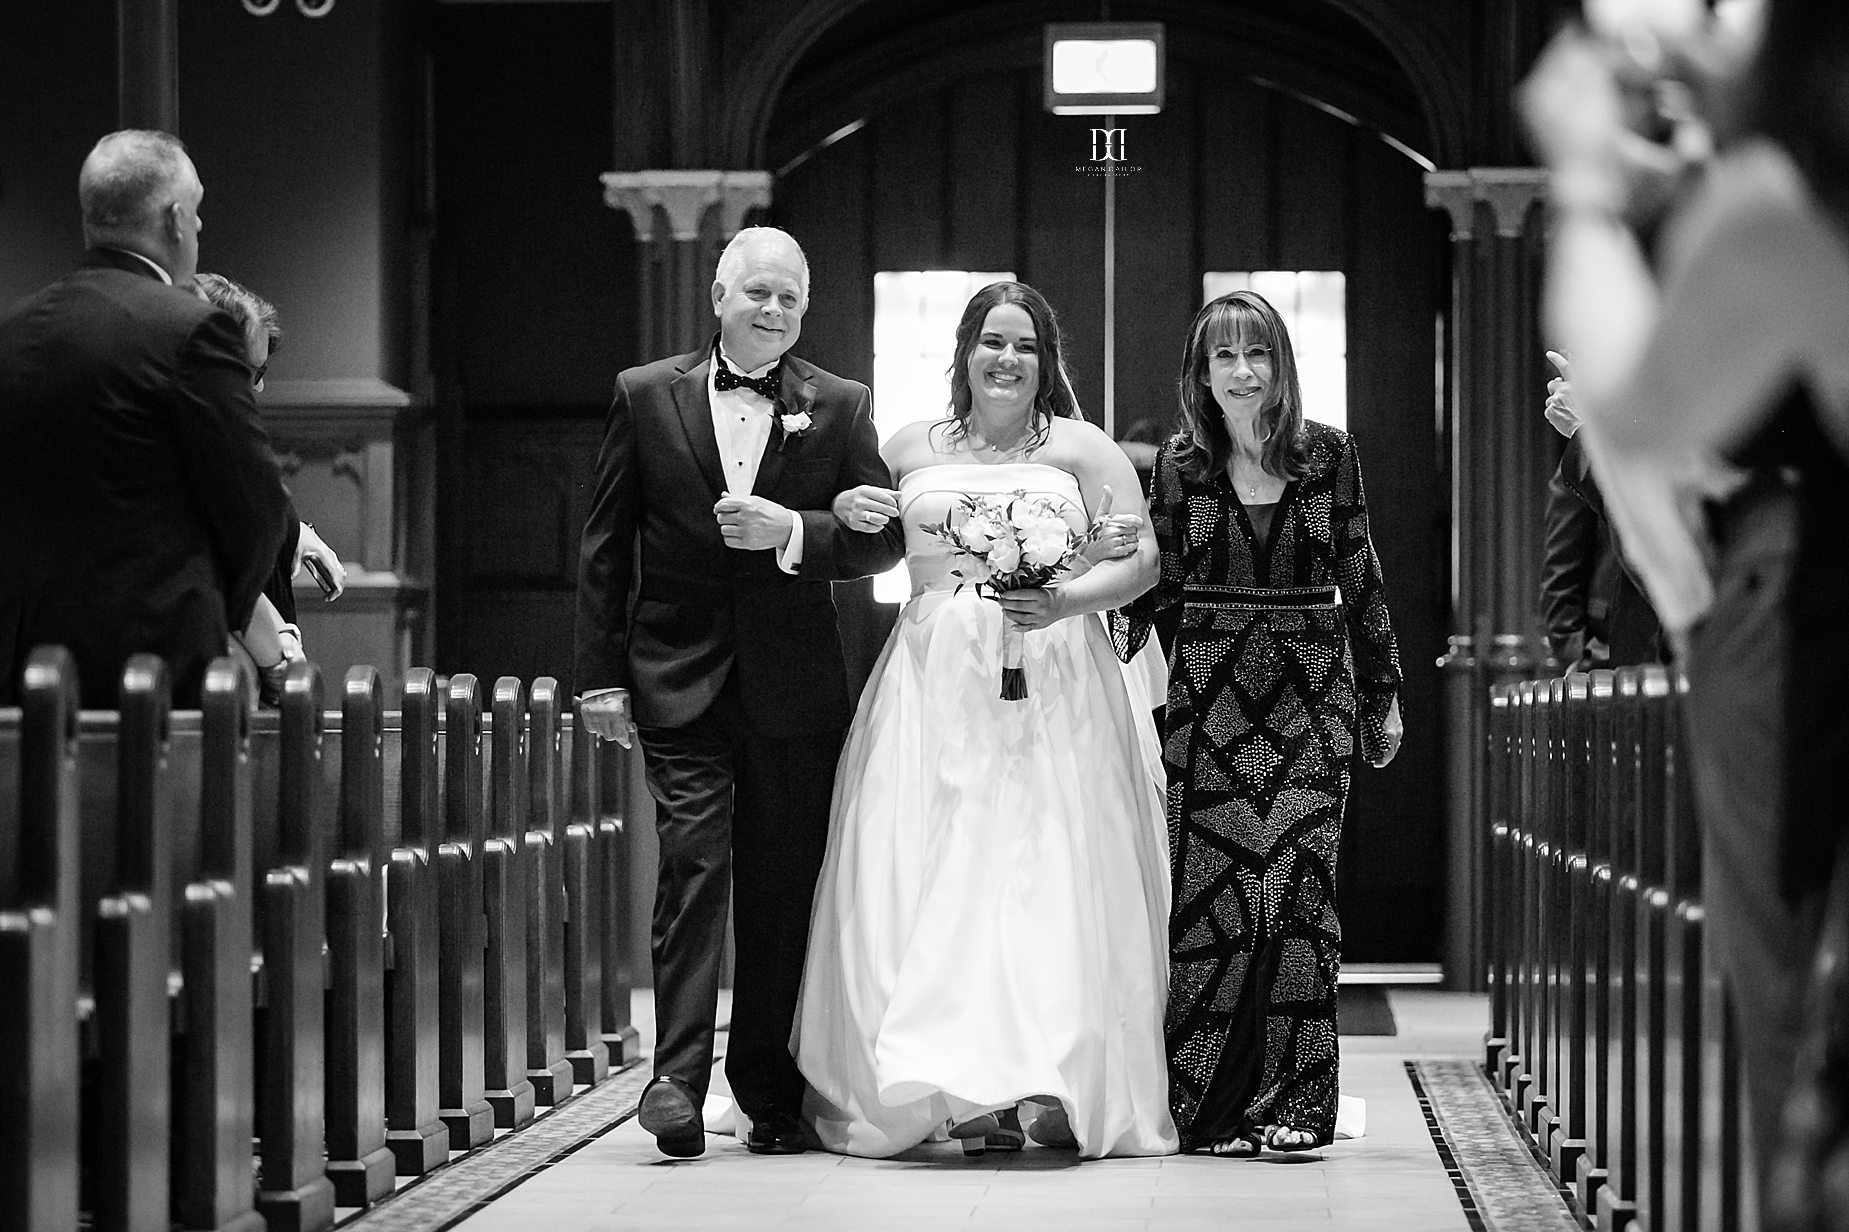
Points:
1005	554
1046	542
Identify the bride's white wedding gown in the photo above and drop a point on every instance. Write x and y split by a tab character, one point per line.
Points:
991	919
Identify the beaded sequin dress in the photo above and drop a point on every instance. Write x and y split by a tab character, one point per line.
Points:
1277	679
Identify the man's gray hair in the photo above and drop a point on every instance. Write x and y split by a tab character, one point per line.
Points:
127	179
733	258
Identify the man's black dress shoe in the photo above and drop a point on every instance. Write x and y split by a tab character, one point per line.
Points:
671	1111
776	1133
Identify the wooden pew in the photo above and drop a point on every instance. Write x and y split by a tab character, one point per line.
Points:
616	767
1617	1199
1601	761
360	1164
296	1194
293	924
214	1102
504	878
1504	808
418	1138
462	938
585	911
126	1130
39	931
1573	867
1529	945
1655	904
547	1069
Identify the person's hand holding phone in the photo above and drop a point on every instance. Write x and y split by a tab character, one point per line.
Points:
322	562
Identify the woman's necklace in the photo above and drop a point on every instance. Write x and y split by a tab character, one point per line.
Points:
1000	450
1251	485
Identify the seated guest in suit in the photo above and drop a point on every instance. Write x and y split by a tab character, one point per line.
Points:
273	639
142	508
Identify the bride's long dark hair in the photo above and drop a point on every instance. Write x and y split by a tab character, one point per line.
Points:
1053	396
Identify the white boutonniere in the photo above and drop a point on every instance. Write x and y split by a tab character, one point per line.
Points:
792	425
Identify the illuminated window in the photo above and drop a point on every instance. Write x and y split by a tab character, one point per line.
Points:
915	314
1313	304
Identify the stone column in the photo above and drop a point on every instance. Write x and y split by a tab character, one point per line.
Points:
681	219
1500	461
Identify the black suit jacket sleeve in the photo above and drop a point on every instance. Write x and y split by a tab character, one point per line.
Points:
832	552
229	463
607	555
1569	556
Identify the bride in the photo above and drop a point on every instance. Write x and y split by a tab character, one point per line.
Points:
990	924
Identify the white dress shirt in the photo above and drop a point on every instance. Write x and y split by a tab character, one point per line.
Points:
741	426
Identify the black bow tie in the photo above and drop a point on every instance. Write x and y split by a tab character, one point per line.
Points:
724	378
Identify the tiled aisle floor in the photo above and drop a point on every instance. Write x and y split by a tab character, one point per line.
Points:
1390	1180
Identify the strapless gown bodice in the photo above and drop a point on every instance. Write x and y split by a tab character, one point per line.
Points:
931	494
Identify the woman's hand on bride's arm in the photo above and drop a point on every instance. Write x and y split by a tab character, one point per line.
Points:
866	508
1113	537
1036	607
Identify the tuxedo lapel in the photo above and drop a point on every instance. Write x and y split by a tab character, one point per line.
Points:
795	396
696	412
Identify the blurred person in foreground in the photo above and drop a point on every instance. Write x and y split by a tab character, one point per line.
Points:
141	508
1715	390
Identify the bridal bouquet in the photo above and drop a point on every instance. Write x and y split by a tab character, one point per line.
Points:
1009	541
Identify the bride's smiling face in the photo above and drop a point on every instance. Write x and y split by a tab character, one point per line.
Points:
1004	364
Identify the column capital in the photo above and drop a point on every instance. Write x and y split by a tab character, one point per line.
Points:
1508	191
1452	192
685	196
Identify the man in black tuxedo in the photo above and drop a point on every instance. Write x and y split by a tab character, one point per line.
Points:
705	618
141	508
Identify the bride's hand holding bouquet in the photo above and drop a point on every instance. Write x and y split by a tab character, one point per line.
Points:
1014	546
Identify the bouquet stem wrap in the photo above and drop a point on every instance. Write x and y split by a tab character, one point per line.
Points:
1014	655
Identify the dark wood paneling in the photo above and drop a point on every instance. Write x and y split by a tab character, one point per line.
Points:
1234	162
908	190
979	176
827	205
1158	288
1391	867
64	55
1310	162
543	273
529	485
1063	208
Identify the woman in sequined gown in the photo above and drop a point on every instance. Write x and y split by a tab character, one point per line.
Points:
1283	668
989	923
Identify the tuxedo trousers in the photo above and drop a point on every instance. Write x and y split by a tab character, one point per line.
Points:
743	815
